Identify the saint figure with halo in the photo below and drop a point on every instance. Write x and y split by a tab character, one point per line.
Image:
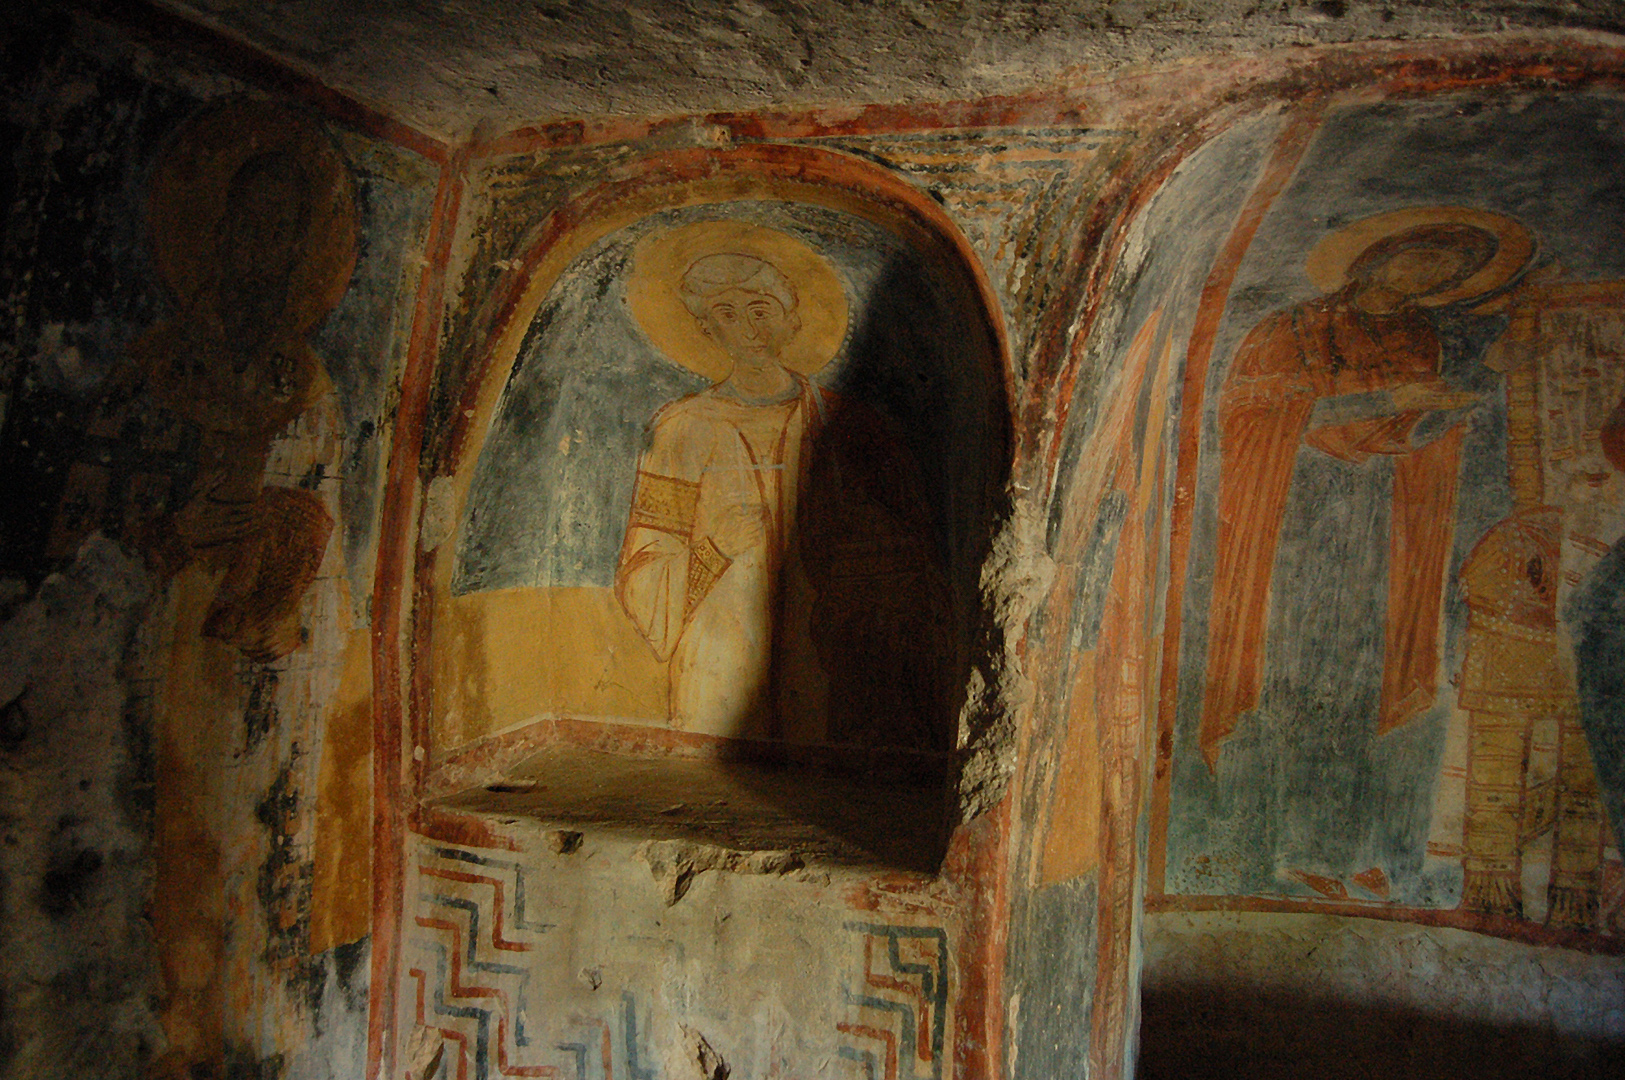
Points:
778	553
1354	374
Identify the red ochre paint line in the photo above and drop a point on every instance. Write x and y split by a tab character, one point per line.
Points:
865	1032
991	113
606	1047
457	987
462	1053
1404	67
389	835
419	704
922	1024
417	973
1125	194
462	830
459	990
922	1011
1289	149
974	1021
496	905
462	1050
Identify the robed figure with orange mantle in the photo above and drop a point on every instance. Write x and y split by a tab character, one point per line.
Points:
1354	374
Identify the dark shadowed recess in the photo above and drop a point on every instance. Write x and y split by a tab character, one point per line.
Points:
1191	1033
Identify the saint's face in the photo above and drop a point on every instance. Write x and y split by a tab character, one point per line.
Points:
753	327
259	246
1418	271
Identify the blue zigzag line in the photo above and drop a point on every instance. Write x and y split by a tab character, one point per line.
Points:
475	964
580	1052
518	869
465	1012
864	1056
933	982
629	1028
905	1048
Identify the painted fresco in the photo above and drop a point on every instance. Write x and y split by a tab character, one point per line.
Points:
536	963
207	295
1399	649
1074	924
732	487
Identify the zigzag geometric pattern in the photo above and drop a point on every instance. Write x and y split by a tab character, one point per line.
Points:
902	1003
469	940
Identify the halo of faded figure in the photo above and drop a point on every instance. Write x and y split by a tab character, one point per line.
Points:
1356	374
779	553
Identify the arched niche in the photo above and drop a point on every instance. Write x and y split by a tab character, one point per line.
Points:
663	573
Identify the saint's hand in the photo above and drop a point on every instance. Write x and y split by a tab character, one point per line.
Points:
1430	396
221	512
739	528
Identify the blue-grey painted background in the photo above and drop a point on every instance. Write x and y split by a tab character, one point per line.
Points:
1305	782
553	484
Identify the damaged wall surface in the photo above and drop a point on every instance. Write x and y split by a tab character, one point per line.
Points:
539	575
208	292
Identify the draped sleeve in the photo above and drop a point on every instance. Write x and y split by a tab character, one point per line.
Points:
1264	408
1312	376
666	568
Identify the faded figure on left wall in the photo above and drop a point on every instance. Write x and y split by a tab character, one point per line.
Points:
229	440
253	227
255	244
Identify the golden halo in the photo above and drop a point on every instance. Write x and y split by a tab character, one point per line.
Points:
661	259
187	203
1328	264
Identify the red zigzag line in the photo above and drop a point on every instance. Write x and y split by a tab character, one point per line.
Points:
459	990
496	911
876	1033
916	994
448	1033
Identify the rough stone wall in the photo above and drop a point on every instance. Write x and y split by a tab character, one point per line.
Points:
450	68
76	863
1359	997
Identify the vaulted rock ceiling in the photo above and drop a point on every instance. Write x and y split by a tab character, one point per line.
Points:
451	66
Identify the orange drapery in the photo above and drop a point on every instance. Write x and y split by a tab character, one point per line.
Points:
1292	360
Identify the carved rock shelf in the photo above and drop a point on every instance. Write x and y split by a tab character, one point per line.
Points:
856	809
